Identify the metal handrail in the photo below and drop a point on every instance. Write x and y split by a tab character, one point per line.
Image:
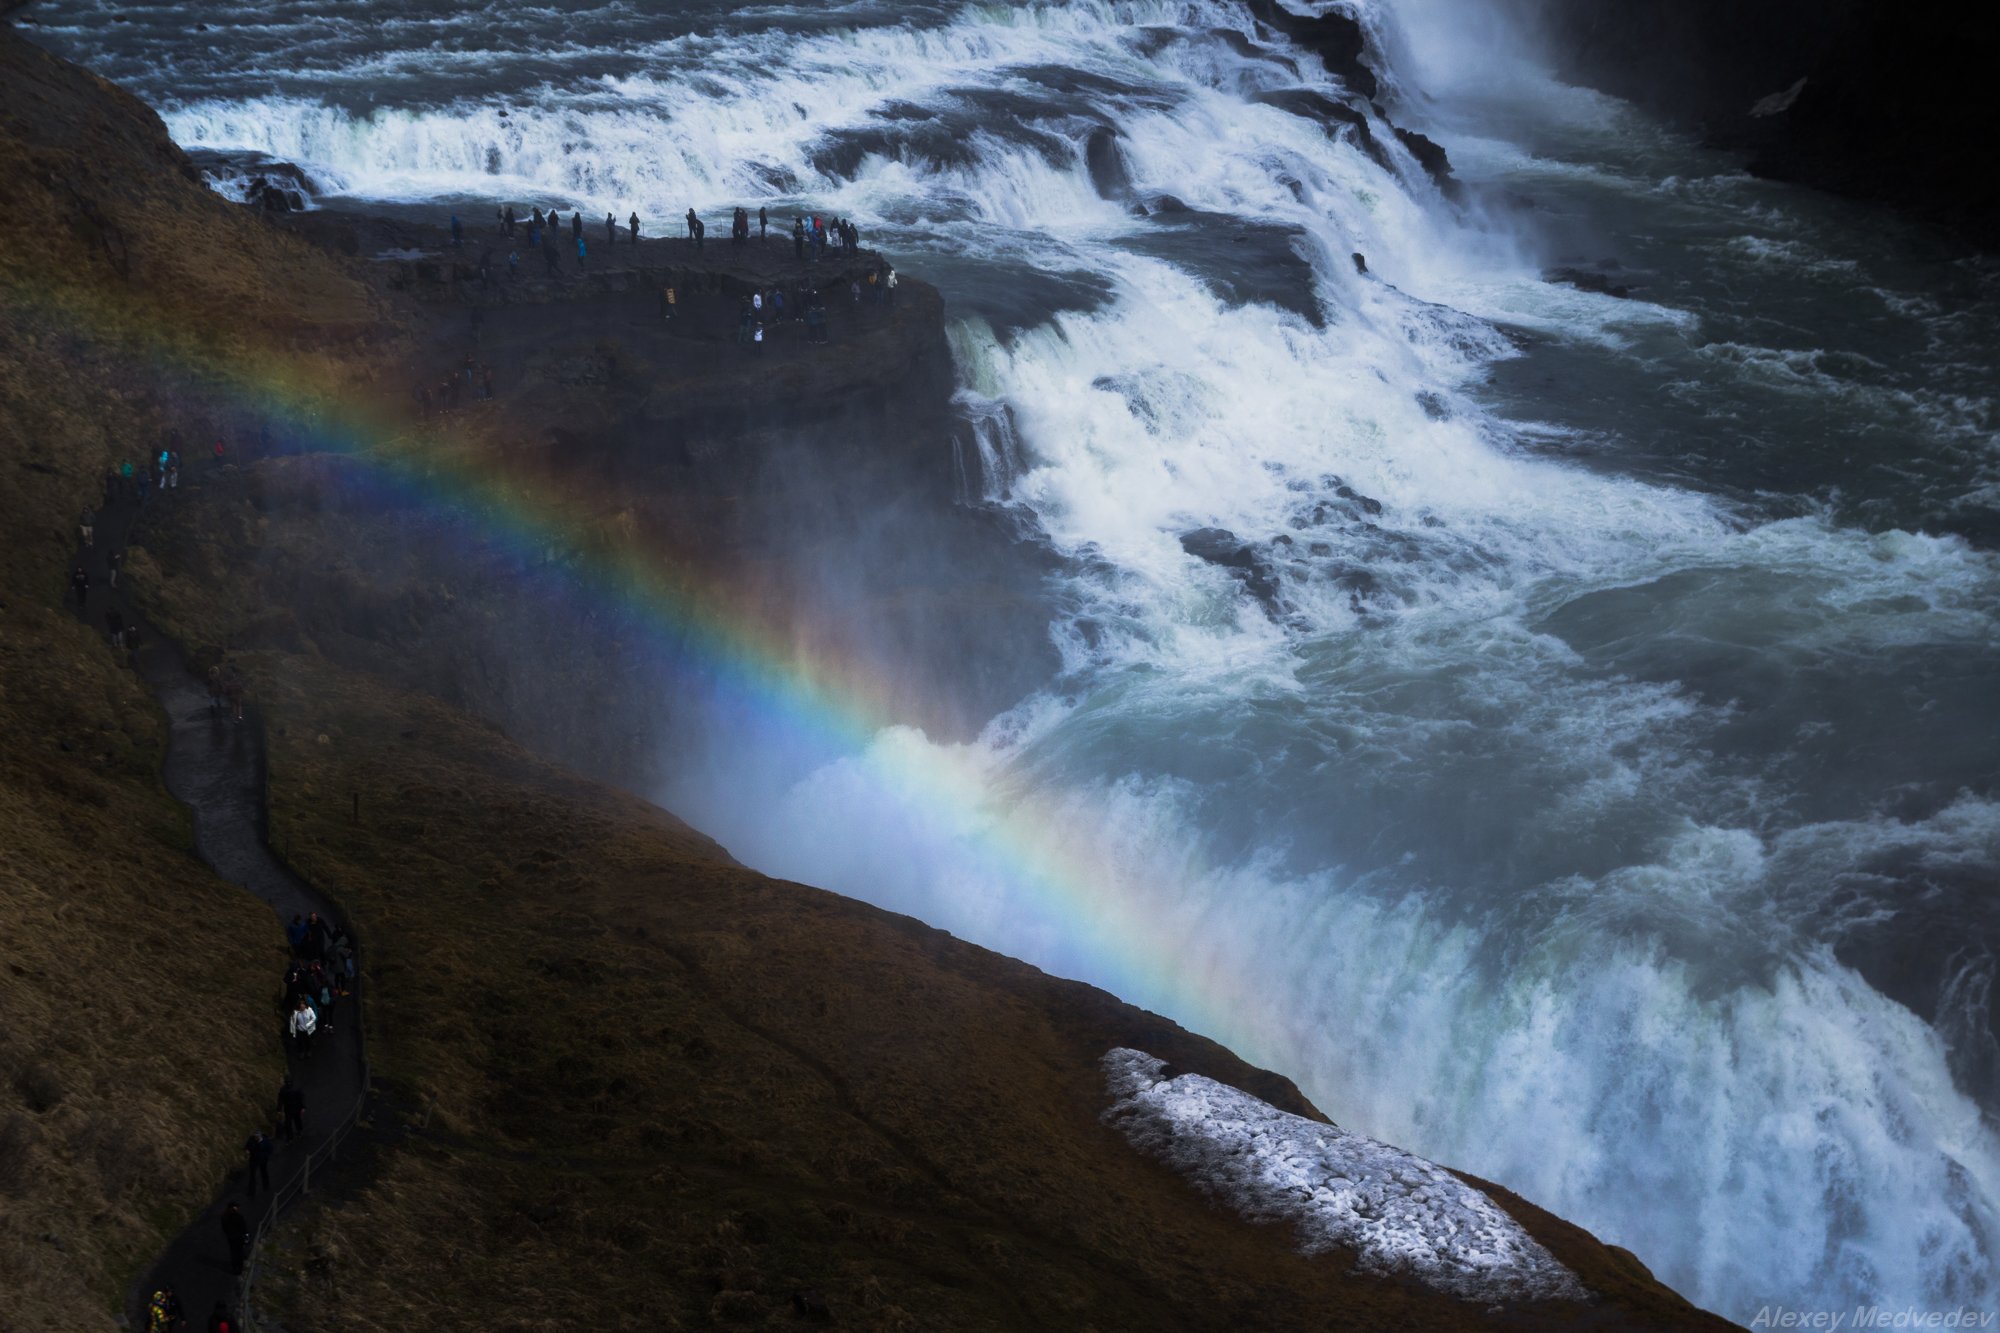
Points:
299	1183
296	1186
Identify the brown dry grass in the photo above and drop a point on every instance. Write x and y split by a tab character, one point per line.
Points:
136	1039
669	1092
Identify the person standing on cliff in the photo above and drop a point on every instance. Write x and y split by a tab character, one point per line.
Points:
508	222
302	1024
257	1174
232	690
634	220
610	231
576	225
798	238
236	1234
581	250
292	1107
763	223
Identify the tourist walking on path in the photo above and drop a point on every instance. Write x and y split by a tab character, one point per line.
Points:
292	1107
79	583
236	1234
232	690
576	224
163	1312
635	226
218	774
302	1025
581	250
88	526
257	1174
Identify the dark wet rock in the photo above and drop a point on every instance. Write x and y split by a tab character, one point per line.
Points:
261	193
1167	203
1261	261
1220	546
1431	157
1367	504
1335	38
1434	405
1337	115
1107	164
1362	587
1874	101
1240	44
1587	280
1360	262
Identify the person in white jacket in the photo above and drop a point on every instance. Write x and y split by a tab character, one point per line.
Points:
303	1024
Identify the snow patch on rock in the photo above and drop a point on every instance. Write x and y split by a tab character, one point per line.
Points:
1401	1215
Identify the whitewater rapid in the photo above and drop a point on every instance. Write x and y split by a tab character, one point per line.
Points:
1541	816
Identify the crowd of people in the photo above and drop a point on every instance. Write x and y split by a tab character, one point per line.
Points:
470	381
803	304
138	480
813	236
321	965
320	972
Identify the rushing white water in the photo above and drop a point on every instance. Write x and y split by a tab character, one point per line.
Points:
1599	796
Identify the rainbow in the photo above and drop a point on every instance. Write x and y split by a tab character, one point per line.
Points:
1047	847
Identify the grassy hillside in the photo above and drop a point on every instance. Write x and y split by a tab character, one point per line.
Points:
137	1042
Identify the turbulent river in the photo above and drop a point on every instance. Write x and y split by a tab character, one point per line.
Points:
1591	783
